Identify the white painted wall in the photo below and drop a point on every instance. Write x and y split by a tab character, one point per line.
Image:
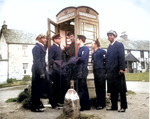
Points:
3	48
16	60
3	71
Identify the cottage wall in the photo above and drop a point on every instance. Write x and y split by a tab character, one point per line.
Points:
3	48
3	71
3	60
20	60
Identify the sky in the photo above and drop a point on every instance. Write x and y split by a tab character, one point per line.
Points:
132	16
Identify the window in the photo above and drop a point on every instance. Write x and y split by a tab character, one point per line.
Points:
128	51
142	54
25	67
142	65
24	50
89	30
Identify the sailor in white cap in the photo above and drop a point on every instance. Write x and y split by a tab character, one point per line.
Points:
115	67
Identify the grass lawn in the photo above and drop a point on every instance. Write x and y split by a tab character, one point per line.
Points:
137	76
14	83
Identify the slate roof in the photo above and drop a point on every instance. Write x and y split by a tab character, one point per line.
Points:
13	36
130	57
129	44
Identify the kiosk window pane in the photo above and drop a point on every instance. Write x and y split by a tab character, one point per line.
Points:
95	28
88	27
89	41
89	35
82	25
52	27
95	37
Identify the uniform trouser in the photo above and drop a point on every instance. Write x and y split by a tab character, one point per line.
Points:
36	94
100	86
81	88
54	88
123	100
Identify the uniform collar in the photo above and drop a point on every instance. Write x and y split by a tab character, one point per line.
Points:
82	45
113	42
39	43
56	44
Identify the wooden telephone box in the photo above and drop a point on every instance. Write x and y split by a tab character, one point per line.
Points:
80	20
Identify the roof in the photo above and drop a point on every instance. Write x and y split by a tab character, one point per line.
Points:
13	36
136	45
129	44
76	7
130	57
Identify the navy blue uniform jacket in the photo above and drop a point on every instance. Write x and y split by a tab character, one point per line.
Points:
38	68
98	58
39	65
83	55
54	53
115	61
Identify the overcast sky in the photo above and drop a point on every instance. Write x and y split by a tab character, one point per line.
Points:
132	16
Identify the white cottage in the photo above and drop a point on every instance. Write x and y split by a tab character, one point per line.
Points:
15	53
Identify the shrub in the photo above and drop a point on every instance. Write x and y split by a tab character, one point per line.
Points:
11	80
22	96
27	103
26	78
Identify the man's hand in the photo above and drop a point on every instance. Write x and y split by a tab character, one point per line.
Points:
121	71
42	76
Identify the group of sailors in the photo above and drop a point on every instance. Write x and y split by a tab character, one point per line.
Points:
56	80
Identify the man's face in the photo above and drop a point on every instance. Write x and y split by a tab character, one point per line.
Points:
58	40
71	37
111	38
78	41
43	41
93	45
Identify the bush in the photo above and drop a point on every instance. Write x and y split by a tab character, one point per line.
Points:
27	103
26	78
11	80
22	96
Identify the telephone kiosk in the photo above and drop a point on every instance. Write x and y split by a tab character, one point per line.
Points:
81	20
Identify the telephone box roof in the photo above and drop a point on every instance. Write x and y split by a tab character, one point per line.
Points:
76	7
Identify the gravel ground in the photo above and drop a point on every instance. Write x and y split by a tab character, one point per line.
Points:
138	108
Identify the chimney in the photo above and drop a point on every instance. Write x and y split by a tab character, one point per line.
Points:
4	25
124	35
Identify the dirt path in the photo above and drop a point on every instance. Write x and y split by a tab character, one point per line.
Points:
138	108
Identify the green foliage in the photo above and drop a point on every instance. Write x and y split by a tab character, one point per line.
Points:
11	80
130	92
22	96
27	103
26	78
137	76
83	116
12	100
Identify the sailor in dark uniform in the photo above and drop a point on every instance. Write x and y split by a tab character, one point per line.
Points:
54	53
98	58
70	50
38	73
115	66
81	87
